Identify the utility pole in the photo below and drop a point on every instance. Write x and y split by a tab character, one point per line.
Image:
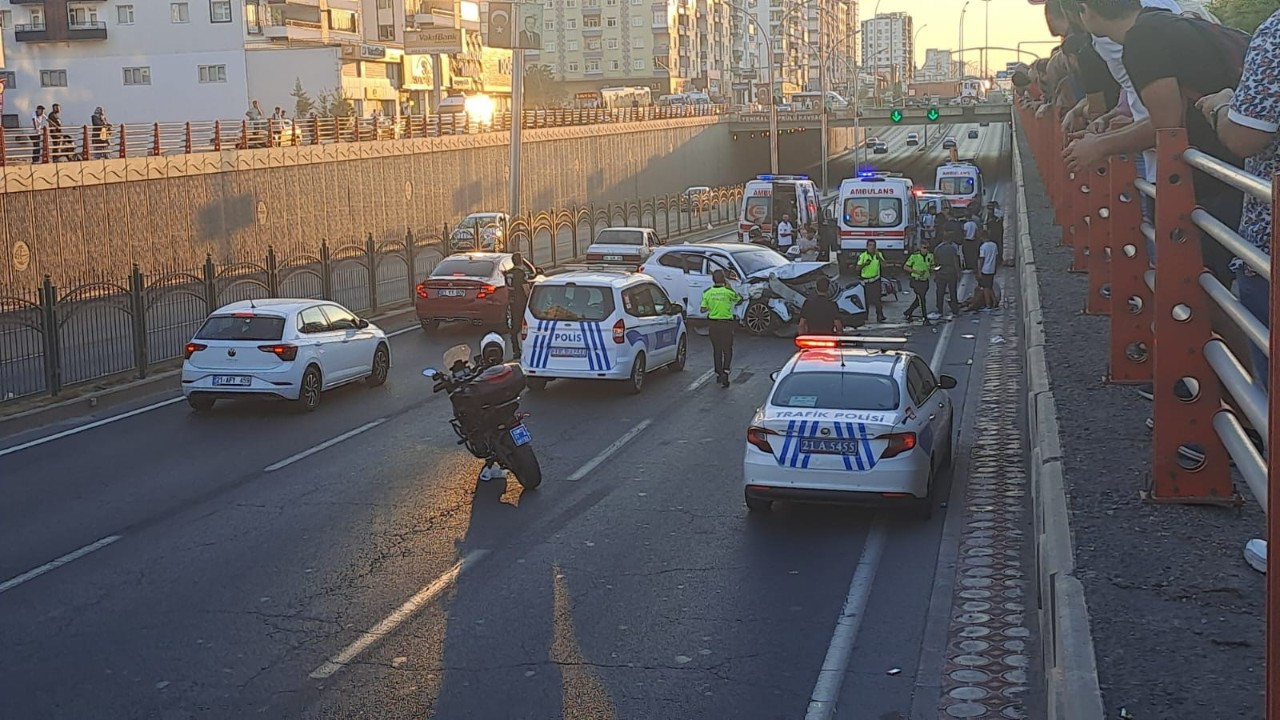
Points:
517	115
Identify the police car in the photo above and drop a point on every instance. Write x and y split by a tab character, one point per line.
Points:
601	325
848	423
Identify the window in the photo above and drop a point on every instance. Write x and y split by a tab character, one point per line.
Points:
637	64
254	328
124	14
573	303
683	261
549	45
213	73
548	24
659	62
81	15
611	22
571	67
252	20
591	22
613	65
593	65
342	21
9	78
6	18
637	22
179	12
955	185
644	301
611	43
659	18
220	11
312	320
386	32
549	4
593	44
571	24
340	318
384	4
571	45
53	78
571	3
590	3
36	17
837	391
920	381
638	43
636	2
137	76
610	3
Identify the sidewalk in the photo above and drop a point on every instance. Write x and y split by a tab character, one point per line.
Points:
1176	614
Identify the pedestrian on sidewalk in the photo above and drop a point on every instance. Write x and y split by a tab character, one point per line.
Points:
101	133
718	302
39	123
946	274
870	264
920	264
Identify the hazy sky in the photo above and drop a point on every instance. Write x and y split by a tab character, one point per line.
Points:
938	25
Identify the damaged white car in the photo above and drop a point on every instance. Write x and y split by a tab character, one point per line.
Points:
774	286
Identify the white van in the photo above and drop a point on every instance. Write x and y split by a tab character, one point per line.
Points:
881	207
601	325
767	198
813	101
961	182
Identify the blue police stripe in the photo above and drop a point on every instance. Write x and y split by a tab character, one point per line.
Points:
853	435
795	450
537	344
605	363
786	442
848	464
585	329
866	445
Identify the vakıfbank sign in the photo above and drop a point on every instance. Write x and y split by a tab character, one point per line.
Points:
433	41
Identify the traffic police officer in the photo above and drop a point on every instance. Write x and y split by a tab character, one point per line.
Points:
920	265
717	303
870	262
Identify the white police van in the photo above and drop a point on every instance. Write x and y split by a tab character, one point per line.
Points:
768	197
601	325
877	206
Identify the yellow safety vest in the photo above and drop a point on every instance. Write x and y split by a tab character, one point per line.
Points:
869	265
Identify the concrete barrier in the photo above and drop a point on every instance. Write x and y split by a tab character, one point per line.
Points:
1069	664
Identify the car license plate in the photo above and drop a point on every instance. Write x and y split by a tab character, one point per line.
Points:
451	293
613	258
232	380
821	446
520	434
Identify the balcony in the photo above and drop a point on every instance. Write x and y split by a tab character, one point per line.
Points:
87	31
592	31
591	11
31	32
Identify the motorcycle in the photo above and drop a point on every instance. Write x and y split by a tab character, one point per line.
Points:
485	394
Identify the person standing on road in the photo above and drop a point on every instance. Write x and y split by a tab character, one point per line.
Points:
828	238
718	302
986	299
946	273
785	233
970	229
870	264
517	299
995	228
920	264
820	316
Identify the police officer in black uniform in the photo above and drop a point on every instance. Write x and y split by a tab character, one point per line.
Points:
517	299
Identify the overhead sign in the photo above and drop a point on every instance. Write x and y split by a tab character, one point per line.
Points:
933	114
896	115
433	41
364	52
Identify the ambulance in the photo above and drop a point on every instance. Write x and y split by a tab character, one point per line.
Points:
961	182
877	206
768	197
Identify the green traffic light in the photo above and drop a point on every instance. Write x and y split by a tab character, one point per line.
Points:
896	115
933	114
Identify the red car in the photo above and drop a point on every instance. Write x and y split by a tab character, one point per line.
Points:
468	287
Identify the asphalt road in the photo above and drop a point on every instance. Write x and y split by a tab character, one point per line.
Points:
347	564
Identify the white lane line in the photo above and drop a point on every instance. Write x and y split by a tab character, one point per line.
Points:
402	331
324	445
702	380
396	618
90	426
608	452
944	339
54	565
822	704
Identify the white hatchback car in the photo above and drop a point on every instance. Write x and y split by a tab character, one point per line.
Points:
282	348
848	424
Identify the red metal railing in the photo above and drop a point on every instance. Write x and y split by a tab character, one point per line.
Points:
1161	327
87	142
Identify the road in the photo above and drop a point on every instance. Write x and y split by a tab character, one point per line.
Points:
347	564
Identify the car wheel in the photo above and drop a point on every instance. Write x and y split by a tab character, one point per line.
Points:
636	383
429	325
759	319
682	352
758	505
200	403
535	384
381	367
309	390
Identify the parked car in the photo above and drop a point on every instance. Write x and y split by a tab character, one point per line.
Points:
292	349
627	245
694	198
489	226
468	287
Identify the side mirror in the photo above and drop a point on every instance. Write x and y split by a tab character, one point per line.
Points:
539	271
946	382
362	323
430	373
675	309
774	376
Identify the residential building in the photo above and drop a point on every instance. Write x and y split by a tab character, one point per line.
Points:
832	26
888	47
939	66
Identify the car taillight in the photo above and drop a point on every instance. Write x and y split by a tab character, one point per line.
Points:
524	329
898	444
421	290
619	332
759	437
485	291
282	351
640	269
193	348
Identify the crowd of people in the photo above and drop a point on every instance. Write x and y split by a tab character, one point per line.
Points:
1128	68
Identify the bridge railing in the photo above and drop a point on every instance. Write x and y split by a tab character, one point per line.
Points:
87	142
1173	323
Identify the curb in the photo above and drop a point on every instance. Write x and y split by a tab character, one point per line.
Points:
1069	662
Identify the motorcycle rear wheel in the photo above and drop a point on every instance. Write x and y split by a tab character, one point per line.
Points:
523	463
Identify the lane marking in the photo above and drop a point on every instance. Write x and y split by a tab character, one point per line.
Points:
397	617
96	424
608	452
54	565
324	445
822	704
702	380
402	331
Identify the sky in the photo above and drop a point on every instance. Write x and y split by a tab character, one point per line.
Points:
938	24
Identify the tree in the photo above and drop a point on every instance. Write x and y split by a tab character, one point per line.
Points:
332	103
303	105
541	88
1244	14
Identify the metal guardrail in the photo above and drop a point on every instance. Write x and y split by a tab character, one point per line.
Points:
89	142
54	337
1164	330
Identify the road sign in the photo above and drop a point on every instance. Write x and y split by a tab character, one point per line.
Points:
896	115
932	114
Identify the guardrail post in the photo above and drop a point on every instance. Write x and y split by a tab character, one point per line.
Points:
326	271
156	146
244	135
217	135
1131	300
410	261
45	154
52	332
371	256
1095	208
86	151
1183	326
138	308
315	130
271	133
273	273
124	150
1273	470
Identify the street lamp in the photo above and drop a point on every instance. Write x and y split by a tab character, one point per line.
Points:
963	10
986	44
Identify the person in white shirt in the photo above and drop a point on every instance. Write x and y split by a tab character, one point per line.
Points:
39	121
785	232
986	295
970	246
927	225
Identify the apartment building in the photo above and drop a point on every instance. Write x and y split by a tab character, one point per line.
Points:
832	26
888	47
796	32
939	66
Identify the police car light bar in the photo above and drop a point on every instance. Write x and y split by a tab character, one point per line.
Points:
810	342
